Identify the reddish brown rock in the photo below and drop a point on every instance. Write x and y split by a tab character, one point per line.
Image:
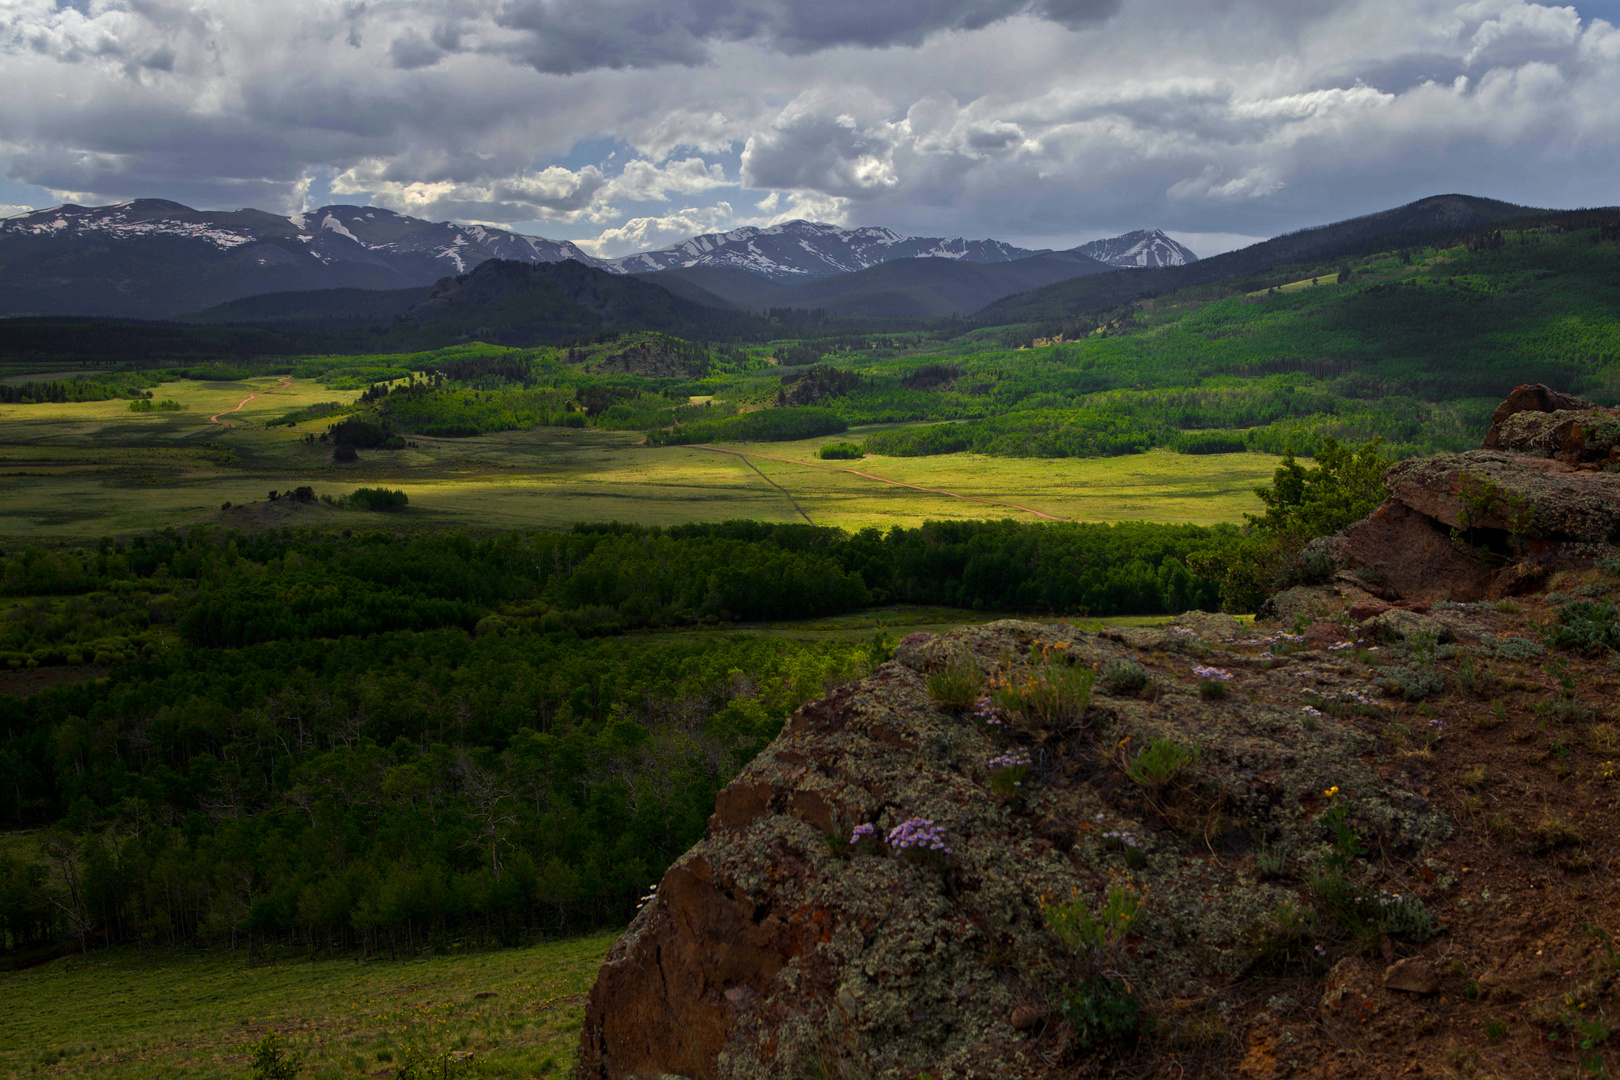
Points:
1399	552
774	948
1476	525
1533	397
1542	422
1414	975
1025	1017
669	1009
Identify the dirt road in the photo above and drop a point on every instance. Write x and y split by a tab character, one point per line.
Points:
286	381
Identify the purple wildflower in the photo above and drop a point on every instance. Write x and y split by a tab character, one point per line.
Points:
918	832
862	832
986	710
1015	758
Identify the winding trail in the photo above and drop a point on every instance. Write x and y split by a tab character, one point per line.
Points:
286	381
777	486
745	455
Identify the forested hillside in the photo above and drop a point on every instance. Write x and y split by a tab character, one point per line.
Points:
381	741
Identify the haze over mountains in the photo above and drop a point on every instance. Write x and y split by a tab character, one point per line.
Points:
157	259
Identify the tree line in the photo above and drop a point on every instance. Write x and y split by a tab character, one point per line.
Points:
387	742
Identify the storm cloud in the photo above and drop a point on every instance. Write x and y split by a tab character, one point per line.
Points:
625	124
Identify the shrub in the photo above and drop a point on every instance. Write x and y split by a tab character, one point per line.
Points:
956	686
1053	696
1586	626
841	451
273	1061
1161	762
1094	934
1412	683
378	499
1417	678
345	452
1101	1010
1125	677
1282	940
1371	916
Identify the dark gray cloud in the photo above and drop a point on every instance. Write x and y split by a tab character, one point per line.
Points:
814	149
569	36
411	50
634	121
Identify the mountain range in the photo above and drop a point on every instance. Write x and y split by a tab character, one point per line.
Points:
799	250
1439	218
157	259
523	303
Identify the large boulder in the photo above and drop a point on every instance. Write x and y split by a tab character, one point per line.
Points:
1541	421
1479	524
777	949
1543	495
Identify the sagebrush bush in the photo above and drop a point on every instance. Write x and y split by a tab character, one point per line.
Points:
1125	678
1161	762
1282	940
1586	626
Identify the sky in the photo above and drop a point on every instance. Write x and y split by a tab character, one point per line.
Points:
626	125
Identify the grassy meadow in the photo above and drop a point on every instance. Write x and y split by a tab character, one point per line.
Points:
121	1014
83	470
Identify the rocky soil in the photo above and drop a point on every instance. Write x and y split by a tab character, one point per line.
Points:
1371	834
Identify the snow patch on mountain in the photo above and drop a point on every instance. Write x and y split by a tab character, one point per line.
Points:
330	222
121	222
802	250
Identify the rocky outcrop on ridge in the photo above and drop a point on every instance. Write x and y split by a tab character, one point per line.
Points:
1544	494
1369	839
1541	421
774	944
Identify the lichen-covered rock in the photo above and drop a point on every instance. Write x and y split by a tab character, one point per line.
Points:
1478	524
1533	500
1540	421
776	948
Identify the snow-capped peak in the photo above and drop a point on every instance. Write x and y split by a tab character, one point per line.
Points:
1144	247
800	250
